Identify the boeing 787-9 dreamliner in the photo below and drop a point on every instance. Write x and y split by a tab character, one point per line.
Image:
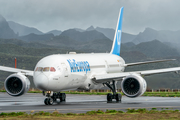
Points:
62	72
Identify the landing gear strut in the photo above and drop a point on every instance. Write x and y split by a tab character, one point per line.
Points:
115	95
51	98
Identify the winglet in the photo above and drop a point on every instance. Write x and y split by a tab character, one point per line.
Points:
117	37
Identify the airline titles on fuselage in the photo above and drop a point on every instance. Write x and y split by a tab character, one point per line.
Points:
79	66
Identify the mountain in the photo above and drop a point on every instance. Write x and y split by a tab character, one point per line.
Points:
5	31
155	49
24	43
36	38
22	29
129	44
147	35
126	37
90	28
109	32
87	41
85	36
162	35
55	32
78	29
96	46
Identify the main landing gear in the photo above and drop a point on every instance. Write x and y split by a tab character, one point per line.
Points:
52	97
115	95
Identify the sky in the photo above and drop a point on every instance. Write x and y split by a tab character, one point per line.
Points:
47	15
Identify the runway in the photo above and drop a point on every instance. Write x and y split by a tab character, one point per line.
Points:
76	103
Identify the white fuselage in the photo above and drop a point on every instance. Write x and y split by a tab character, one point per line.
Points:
74	71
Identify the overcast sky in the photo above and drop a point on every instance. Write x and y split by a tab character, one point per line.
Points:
47	15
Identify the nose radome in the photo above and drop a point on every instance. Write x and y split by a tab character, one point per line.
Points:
41	81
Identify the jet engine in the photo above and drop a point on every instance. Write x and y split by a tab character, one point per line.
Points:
17	84
133	85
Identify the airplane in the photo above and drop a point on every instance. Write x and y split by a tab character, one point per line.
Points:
62	72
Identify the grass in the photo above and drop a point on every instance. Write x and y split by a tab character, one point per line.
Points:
162	94
158	94
99	115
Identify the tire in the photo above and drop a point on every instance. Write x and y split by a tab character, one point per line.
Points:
46	101
50	101
118	97
54	97
109	97
63	97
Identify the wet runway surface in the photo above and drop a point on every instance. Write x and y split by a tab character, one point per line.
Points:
82	103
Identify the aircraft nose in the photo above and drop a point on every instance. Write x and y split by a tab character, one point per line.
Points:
41	81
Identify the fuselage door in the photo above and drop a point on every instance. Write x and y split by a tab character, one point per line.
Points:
65	70
107	66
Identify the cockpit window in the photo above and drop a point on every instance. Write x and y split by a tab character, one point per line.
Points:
39	69
46	69
52	69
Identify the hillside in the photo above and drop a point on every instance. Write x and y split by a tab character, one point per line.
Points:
36	38
85	36
155	49
5	31
55	32
22	30
162	35
109	32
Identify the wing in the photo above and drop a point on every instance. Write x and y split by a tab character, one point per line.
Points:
147	62
119	76
15	70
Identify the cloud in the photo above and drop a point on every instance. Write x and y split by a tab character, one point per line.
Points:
47	15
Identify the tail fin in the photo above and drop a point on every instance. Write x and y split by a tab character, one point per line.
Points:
117	37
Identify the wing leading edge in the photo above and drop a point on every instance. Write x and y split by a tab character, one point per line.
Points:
119	76
15	70
147	62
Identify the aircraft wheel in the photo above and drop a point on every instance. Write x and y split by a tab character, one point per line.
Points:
63	97
50	101
118	97
46	101
109	97
54	97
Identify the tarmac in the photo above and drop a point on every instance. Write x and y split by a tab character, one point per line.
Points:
76	103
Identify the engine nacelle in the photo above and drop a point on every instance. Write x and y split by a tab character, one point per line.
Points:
17	84
133	85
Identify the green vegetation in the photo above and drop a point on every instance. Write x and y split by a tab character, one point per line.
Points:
158	94
162	94
96	114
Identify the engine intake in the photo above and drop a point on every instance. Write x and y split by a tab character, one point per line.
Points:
133	85
17	84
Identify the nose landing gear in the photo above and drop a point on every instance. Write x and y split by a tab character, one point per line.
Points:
48	101
52	97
